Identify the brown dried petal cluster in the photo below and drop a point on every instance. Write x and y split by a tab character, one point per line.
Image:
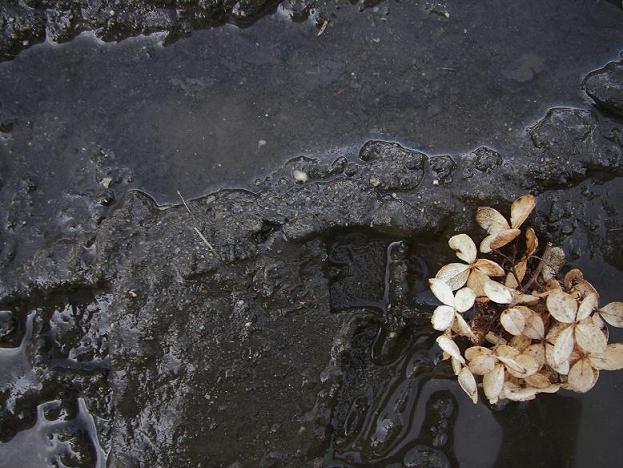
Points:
530	332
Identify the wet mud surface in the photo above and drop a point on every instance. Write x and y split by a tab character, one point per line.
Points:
286	323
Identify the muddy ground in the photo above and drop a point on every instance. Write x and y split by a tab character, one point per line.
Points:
278	315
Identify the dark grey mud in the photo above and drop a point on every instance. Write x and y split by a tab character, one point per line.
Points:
287	325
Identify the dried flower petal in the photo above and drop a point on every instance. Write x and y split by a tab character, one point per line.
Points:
562	306
456	366
454	274
441	291
537	351
476	351
538	381
589	337
482	365
462	328
572	278
553	261
583	289
476	282
464	247
488	267
443	317
493	382
535	328
450	347
464	300
494	339
497	292
588	304
513	321
610	359
491	220
520	342
515	393
468	384
563	346
521	209
532	242
582	376
520	298
613	314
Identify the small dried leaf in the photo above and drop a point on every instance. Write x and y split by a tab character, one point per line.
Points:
589	337
563	346
613	314
582	376
538	381
553	261
519	393
520	342
572	278
521	209
497	292
468	384
588	304
443	317
441	291
454	275
491	220
488	267
519	298
506	351
493	382
477	351
511	281
583	289
482	364
532	242
610	359
476	282
562	306
464	299
502	238
513	321
494	339
528	363
464	247
450	347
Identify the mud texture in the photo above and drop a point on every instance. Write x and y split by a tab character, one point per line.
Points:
287	326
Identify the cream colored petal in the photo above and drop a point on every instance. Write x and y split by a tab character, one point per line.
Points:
476	282
506	351
485	244
528	363
583	289
491	220
497	292
613	314
476	351
598	321
462	328
468	384
464	300
464	247
494	339
589	337
563	345
456	366
572	278
582	376
562	306
443	317
503	238
521	209
521	299
482	365
610	359
520	342
454	275
537	351
538	380
441	291
535	328
554	260
532	242
513	321
488	267
450	347
493	382
552	284
588	304
511	281
519	394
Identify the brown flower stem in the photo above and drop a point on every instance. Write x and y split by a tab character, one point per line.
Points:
538	269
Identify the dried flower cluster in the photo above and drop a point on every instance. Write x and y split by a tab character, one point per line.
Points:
524	329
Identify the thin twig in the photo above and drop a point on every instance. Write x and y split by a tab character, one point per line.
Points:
203	238
538	269
184	202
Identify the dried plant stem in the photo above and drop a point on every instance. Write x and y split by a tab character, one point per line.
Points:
538	269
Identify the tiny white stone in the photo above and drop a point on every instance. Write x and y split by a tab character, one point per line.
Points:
300	176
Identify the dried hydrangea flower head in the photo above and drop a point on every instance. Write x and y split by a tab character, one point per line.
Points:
531	332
